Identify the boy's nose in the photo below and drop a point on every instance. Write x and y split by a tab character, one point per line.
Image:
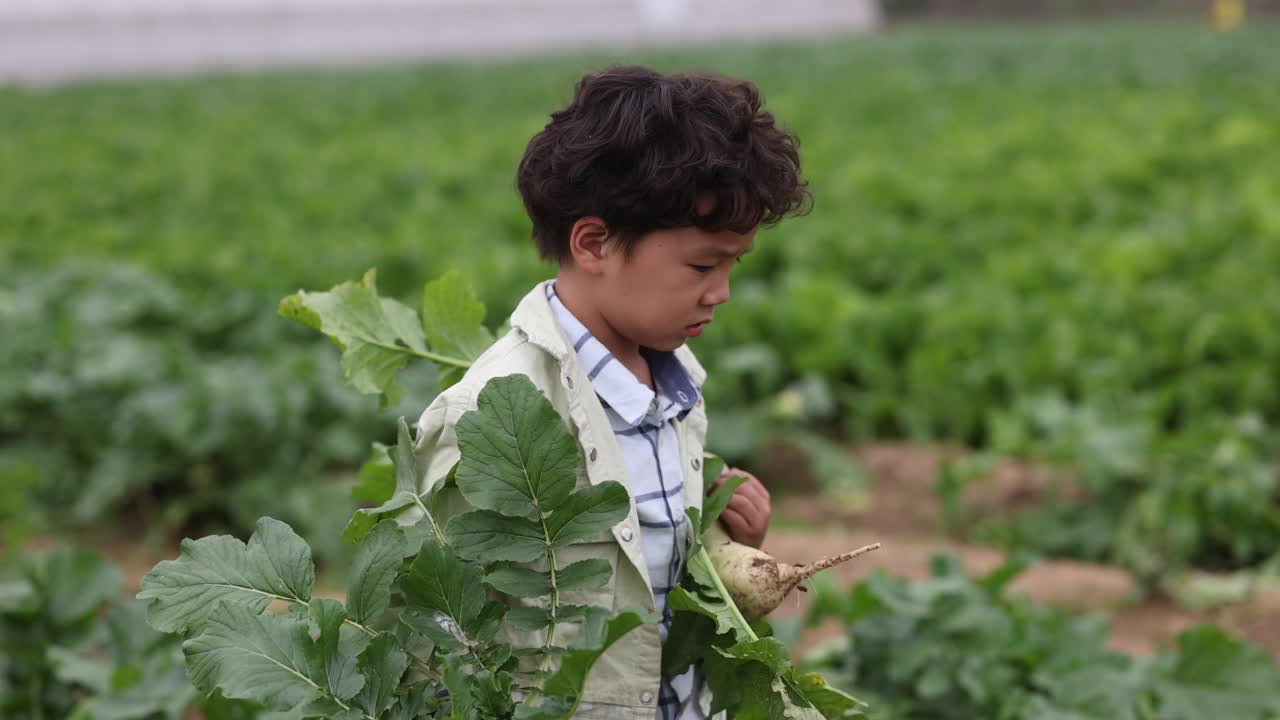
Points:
718	294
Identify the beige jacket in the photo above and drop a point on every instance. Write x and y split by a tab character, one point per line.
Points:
624	682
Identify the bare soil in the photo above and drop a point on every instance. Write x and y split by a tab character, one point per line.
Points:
904	517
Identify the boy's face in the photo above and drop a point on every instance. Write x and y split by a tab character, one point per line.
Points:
671	284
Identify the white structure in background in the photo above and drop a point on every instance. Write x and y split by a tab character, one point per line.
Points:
45	41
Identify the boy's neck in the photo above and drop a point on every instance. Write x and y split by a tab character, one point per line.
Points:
577	297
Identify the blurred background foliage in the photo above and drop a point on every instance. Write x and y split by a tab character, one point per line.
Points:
1056	244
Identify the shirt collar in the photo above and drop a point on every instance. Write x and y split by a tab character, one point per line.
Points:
617	386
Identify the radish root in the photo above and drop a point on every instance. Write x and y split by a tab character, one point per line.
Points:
756	582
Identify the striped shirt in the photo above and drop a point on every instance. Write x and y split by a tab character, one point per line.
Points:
643	424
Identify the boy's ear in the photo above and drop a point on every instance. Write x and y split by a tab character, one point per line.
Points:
588	243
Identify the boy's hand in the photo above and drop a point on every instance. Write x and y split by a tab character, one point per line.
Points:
746	519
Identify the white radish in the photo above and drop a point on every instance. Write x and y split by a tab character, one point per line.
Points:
755	581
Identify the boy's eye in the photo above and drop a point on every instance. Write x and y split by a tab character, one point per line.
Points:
707	268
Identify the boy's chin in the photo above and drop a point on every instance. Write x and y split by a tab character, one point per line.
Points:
668	345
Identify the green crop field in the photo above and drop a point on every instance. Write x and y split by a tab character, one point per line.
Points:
1059	244
1056	244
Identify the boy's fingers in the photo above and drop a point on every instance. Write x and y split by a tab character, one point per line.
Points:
736	522
756	489
747	505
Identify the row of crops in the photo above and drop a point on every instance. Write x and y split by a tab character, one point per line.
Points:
1058	245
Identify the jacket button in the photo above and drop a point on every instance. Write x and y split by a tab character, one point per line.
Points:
697	464
593	455
626	534
646	697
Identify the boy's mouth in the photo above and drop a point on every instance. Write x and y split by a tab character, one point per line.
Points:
695	329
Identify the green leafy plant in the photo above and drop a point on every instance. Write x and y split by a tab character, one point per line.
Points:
324	659
976	258
72	647
954	646
749	672
518	467
122	389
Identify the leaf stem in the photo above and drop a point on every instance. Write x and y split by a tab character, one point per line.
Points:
738	620
551	627
417	661
428	355
435	526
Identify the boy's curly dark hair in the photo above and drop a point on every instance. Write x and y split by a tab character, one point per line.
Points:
637	148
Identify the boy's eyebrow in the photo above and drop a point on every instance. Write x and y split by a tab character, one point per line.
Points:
728	253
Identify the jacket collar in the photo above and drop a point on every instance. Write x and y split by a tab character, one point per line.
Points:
533	317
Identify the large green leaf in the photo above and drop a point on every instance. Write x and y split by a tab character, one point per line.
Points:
376	481
587	513
18	595
405	494
690	635
382	664
519	581
374	567
486	535
74	668
376	335
460	685
270	659
440	581
337	646
584	575
74	583
276	564
829	701
413	703
453	320
682	599
1218	676
437	627
751	689
492	693
718	500
168	695
766	651
528	618
517	454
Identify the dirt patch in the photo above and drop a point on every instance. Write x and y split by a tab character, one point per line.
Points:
905	515
902	494
1138	628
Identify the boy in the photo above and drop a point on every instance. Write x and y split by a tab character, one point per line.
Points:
645	190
